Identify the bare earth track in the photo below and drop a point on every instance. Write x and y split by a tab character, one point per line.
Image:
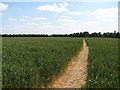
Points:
75	74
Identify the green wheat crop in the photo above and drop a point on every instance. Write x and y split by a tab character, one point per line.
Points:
35	61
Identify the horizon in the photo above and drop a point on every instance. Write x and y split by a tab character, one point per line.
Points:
55	34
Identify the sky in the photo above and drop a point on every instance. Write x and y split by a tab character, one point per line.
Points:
58	17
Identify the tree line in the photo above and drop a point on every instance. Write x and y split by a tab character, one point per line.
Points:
79	34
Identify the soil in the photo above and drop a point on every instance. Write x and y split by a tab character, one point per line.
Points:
76	72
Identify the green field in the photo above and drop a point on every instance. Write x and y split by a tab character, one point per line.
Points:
103	63
35	61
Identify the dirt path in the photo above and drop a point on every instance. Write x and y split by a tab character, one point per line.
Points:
75	75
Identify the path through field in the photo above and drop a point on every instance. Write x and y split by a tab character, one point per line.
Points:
75	75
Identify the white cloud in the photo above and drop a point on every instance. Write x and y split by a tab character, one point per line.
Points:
64	4
33	23
54	8
12	19
67	17
106	14
3	6
87	11
66	20
92	23
61	7
1	14
40	18
38	24
76	13
22	19
45	23
26	17
106	20
69	24
97	26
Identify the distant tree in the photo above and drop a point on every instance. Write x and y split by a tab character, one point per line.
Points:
94	34
117	35
70	35
81	34
99	34
86	34
105	34
75	35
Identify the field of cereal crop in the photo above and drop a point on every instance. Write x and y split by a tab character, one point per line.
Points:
35	61
103	63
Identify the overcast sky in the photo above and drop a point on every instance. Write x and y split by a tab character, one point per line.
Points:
58	17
